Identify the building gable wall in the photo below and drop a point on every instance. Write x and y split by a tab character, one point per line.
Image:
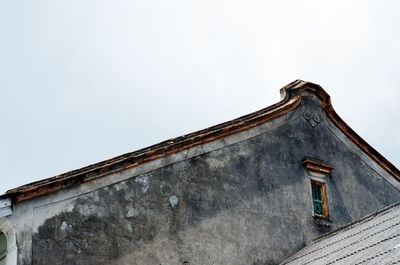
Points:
240	200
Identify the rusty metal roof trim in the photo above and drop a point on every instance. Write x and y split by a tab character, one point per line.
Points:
291	100
346	130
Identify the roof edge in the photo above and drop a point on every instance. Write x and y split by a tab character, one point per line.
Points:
291	99
289	102
344	128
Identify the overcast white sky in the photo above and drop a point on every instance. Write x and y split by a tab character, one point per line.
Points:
86	80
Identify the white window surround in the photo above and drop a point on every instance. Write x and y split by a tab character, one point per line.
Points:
5	227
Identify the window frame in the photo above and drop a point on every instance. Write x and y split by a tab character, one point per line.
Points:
323	194
12	248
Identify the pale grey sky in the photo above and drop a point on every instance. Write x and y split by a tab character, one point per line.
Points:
83	81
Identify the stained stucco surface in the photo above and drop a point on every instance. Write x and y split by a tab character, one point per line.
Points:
244	203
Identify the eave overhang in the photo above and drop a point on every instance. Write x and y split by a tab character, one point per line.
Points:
292	96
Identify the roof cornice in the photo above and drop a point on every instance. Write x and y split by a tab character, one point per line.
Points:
344	128
291	95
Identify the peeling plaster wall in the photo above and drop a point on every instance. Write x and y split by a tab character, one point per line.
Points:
244	199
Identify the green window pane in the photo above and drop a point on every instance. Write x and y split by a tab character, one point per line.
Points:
316	192
318	199
318	208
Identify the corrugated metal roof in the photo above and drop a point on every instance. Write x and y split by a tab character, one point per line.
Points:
374	239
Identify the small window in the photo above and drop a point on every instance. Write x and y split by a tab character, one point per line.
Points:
319	199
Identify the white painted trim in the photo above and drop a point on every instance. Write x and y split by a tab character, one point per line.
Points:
12	250
317	179
5	207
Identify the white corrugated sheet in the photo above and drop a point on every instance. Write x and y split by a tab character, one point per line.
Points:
374	239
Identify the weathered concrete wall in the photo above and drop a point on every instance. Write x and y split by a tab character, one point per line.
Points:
246	202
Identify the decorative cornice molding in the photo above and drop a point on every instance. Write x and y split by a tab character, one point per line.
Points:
317	90
312	117
291	96
318	167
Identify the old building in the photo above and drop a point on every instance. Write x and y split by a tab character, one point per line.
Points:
254	190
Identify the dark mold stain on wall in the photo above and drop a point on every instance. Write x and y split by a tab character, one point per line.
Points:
247	203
